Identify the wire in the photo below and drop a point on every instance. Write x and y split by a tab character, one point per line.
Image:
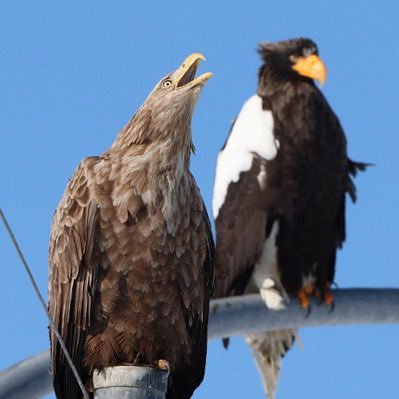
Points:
43	303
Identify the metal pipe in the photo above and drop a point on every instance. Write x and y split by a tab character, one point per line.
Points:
130	382
240	315
29	378
236	316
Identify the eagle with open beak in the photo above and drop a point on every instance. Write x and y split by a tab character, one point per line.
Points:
131	250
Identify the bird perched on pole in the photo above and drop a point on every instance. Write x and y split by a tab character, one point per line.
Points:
279	195
131	250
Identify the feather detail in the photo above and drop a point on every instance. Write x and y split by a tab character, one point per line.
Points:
268	348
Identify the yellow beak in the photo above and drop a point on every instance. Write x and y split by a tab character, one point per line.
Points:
186	72
311	67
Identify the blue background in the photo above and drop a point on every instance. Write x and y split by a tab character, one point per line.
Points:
72	74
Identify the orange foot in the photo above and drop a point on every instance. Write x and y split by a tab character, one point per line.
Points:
303	296
328	297
305	293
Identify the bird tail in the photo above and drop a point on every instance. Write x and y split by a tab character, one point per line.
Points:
268	348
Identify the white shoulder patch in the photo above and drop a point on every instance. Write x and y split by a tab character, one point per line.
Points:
252	133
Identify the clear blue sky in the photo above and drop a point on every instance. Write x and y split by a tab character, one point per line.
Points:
72	74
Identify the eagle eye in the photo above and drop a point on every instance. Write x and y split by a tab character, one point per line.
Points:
166	83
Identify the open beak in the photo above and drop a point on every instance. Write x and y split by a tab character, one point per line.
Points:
311	67
186	72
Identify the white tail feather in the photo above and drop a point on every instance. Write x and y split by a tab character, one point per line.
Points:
268	348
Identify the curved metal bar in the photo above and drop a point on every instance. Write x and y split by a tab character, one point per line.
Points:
29	378
236	316
241	315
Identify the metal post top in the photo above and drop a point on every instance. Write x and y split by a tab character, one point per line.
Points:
131	376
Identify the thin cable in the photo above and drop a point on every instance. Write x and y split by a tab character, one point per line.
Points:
43	303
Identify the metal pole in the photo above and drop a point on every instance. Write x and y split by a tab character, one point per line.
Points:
236	316
27	379
241	315
130	382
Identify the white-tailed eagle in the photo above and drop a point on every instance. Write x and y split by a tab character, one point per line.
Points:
131	250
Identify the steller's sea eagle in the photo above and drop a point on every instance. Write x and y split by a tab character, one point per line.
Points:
279	195
131	250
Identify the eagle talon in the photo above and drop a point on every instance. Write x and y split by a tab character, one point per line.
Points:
163	364
334	285
328	297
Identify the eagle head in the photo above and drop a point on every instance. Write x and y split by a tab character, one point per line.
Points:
175	96
293	58
165	116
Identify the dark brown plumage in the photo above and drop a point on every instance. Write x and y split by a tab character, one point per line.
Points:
279	198
309	178
131	250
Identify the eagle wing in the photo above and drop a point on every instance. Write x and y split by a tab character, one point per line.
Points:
240	231
239	205
210	257
73	273
184	380
243	224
